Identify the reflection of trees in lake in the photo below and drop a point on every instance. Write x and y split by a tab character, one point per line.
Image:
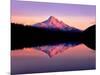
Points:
27	36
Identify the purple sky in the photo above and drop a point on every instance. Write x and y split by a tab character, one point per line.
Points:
38	9
29	8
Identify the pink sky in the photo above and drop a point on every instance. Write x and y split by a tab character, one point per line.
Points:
80	22
27	12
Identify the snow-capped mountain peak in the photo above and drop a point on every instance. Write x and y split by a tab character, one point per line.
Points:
53	22
52	18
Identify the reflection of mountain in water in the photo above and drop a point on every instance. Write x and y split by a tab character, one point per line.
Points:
53	50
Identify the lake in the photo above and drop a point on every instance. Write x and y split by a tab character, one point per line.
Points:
53	58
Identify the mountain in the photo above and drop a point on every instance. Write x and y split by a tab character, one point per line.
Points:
54	23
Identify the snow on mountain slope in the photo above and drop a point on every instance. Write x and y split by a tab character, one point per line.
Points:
53	22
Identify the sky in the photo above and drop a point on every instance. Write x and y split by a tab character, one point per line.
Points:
28	12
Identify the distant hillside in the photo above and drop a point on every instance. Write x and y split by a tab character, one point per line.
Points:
89	36
90	32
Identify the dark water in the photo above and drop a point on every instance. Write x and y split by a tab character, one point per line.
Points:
60	57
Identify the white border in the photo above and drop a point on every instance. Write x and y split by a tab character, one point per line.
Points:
5	37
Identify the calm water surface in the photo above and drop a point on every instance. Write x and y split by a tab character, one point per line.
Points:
62	57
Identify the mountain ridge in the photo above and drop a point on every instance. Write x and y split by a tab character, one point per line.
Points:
53	22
